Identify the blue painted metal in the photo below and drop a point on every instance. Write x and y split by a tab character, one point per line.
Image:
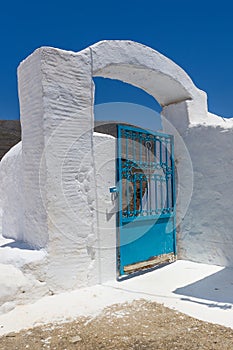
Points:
113	189
146	185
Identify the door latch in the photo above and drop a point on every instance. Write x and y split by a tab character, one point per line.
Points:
113	189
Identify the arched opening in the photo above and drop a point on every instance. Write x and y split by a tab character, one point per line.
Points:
144	174
119	102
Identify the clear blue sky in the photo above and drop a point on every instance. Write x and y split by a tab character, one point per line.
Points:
196	35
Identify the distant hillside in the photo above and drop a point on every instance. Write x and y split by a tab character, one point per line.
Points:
105	127
10	134
110	127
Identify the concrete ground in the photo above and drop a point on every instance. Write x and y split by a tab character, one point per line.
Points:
202	291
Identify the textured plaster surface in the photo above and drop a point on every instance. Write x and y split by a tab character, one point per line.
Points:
11	194
85	259
205	184
206	231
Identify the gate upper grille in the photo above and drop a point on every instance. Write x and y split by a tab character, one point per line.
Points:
146	173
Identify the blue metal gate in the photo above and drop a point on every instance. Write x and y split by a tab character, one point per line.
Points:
146	185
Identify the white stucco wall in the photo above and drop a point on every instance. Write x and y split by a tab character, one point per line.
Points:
205	226
84	259
87	258
206	233
106	206
12	194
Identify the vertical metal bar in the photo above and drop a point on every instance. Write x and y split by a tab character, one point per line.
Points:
133	145
148	176
119	173
166	153
145	153
140	148
172	173
126	146
155	150
170	193
150	212
161	194
119	215
145	194
134	195
130	155
148	195
173	192
166	174
127	196
169	158
140	177
154	176
127	172
135	176
156	195
160	151
129	191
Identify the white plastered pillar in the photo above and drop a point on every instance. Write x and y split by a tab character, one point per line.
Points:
56	105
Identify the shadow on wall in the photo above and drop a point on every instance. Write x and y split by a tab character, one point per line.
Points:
217	288
18	245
